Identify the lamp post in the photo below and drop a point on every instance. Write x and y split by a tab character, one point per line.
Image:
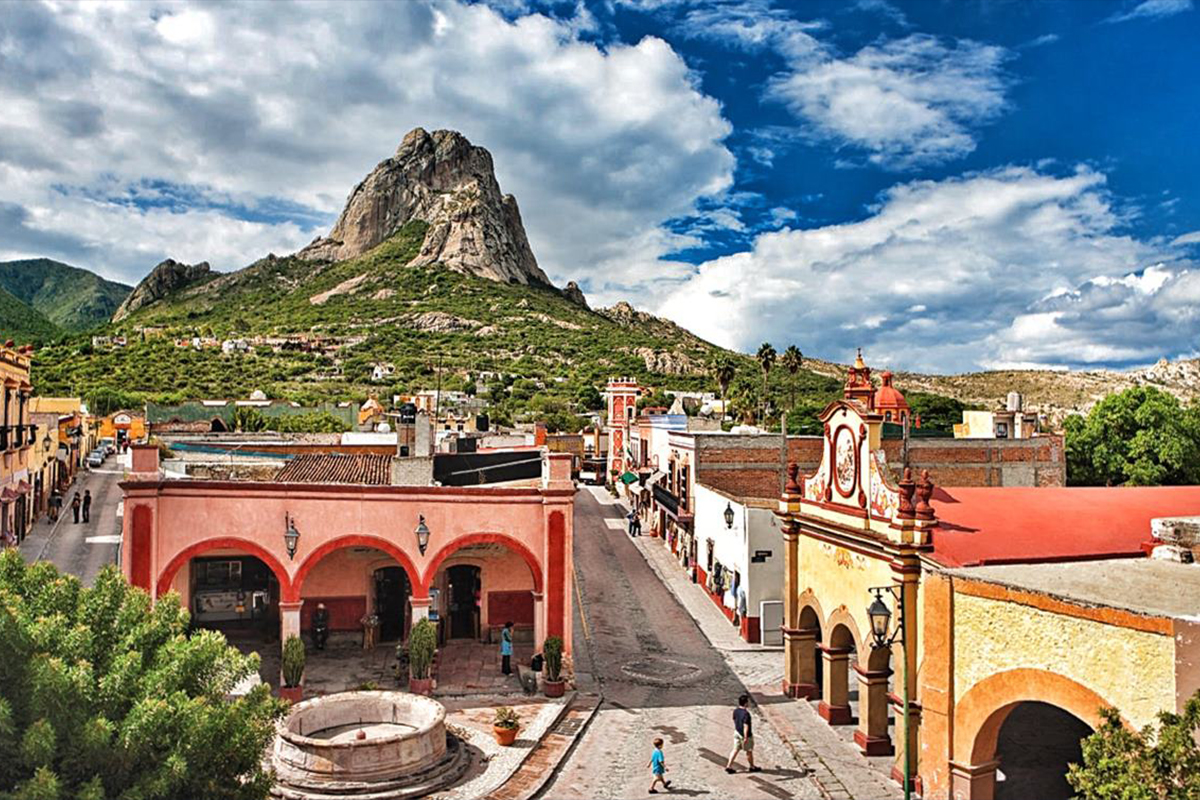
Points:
422	532
728	515
291	536
880	616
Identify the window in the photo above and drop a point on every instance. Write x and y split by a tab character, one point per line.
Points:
1001	430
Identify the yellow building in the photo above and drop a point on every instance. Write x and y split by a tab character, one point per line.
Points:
122	426
17	436
998	621
74	435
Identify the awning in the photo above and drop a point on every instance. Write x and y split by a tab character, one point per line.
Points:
22	487
628	478
8	495
655	478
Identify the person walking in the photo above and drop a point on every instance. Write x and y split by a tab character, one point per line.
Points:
56	501
743	735
506	649
658	767
75	504
87	505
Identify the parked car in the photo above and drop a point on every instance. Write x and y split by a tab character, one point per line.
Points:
96	458
109	445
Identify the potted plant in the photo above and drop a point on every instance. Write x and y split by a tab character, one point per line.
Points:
505	726
422	644
293	670
552	651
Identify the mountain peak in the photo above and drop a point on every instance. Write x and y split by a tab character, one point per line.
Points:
439	178
165	278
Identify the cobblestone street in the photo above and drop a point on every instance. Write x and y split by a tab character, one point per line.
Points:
660	676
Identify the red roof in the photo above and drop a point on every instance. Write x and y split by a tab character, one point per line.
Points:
360	468
997	525
888	397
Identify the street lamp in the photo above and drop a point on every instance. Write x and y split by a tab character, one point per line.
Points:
422	532
880	616
291	537
46	443
728	515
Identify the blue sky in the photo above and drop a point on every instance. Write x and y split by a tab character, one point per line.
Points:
950	185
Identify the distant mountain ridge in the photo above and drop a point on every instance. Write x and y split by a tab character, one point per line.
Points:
24	324
72	298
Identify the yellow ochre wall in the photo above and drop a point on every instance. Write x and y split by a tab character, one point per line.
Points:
838	577
1132	669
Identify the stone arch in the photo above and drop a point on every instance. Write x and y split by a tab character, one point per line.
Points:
841	618
167	576
983	709
808	599
515	545
360	540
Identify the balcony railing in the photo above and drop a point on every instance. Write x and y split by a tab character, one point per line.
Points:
32	435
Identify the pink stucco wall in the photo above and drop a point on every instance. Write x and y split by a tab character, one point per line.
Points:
192	518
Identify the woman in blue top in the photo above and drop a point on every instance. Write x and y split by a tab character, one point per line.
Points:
506	649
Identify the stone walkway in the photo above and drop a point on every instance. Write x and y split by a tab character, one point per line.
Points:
469	667
840	770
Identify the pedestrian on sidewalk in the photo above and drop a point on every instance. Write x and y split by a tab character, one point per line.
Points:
658	767
743	735
87	505
506	649
56	501
75	504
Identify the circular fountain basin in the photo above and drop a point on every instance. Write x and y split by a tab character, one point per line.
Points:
360	737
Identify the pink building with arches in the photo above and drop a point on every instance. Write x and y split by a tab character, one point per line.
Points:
493	553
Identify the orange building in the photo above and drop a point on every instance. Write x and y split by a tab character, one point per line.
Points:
1012	615
123	426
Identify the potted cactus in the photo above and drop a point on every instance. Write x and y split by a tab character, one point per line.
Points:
422	645
293	670
505	726
552	651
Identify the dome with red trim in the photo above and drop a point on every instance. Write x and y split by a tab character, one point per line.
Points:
889	401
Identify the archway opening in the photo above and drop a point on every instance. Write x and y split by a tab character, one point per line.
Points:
1036	743
392	592
838	688
812	665
233	592
463	594
218	426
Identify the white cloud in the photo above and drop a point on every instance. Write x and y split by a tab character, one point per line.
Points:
1010	266
273	104
907	102
1153	9
1187	238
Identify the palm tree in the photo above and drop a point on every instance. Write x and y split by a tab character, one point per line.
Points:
723	371
792	360
766	359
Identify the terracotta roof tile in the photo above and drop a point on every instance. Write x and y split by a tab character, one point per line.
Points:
366	469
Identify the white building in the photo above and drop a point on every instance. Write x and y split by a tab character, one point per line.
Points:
739	561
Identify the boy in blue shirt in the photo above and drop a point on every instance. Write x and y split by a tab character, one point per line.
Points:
658	767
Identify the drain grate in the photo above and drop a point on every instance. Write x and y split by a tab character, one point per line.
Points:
569	727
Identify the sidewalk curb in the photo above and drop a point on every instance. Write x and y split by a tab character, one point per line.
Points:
498	792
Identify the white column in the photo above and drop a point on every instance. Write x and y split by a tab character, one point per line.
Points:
420	608
289	619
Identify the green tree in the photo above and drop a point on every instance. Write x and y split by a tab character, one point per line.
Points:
248	419
1141	437
766	361
102	695
1122	764
105	400
589	398
792	360
723	371
937	412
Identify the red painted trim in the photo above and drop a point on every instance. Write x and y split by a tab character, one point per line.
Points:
359	540
556	575
515	545
233	543
291	489
140	544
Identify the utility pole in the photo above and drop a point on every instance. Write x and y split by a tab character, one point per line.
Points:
437	403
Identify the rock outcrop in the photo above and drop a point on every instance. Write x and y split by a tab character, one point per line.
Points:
573	293
442	179
169	276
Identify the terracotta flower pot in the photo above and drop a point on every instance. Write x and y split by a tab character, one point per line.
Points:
554	688
505	736
293	694
420	685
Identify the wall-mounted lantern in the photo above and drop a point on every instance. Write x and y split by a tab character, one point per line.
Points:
422	532
729	515
291	536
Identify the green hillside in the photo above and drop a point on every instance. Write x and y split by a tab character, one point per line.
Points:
375	309
22	324
72	298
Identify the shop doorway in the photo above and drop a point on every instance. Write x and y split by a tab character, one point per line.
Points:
235	593
464	595
391	603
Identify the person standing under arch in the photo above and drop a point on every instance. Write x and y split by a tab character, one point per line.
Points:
506	649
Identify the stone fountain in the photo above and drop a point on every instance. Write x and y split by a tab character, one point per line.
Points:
372	745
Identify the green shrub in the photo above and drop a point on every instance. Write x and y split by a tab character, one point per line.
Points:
422	644
552	650
293	661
